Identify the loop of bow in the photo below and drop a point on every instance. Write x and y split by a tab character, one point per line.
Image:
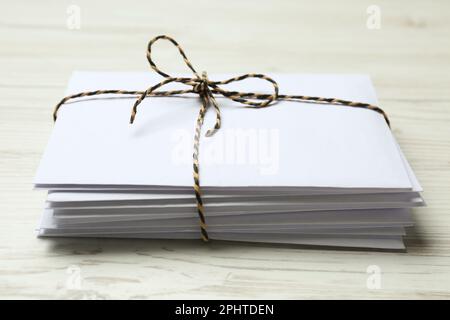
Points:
207	89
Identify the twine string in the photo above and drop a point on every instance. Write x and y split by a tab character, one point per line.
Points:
207	90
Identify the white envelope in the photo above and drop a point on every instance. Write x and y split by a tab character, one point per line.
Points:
317	146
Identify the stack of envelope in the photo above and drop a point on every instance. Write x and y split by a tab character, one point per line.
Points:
295	173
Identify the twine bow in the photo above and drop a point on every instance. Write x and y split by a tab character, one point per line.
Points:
207	89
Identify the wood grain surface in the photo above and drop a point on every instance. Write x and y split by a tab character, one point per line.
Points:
408	58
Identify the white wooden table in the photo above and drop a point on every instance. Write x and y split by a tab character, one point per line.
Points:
408	58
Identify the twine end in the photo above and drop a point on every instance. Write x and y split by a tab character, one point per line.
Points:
210	132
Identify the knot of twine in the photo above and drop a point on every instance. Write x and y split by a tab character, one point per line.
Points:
207	89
